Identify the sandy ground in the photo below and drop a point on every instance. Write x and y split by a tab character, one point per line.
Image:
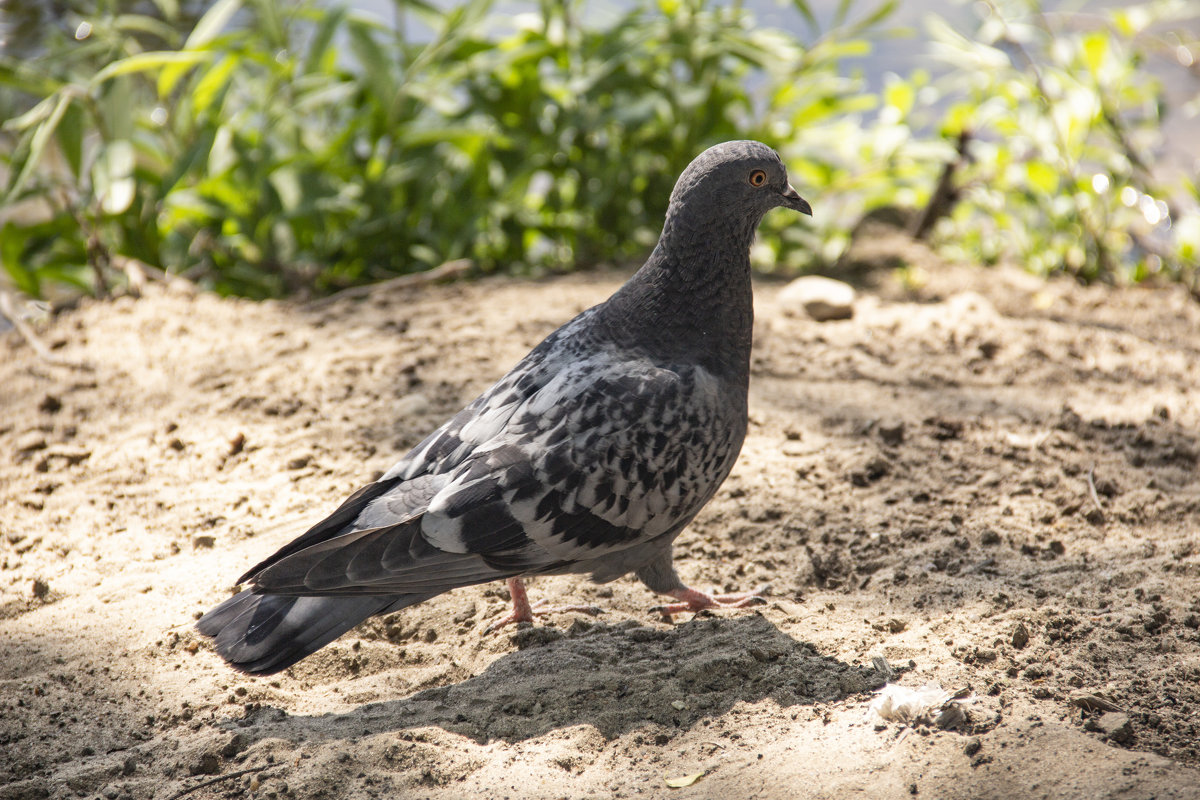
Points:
989	482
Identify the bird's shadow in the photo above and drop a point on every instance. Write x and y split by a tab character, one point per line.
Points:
613	678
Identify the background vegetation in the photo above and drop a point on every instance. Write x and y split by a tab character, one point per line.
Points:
268	147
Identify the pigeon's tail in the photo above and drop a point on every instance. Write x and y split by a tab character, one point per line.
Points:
266	633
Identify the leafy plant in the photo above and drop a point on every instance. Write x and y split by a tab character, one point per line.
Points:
1065	124
278	148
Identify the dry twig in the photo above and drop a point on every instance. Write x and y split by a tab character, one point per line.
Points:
220	778
451	270
9	311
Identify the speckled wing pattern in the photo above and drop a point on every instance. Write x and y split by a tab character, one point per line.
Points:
578	453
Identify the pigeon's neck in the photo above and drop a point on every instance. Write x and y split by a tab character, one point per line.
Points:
692	300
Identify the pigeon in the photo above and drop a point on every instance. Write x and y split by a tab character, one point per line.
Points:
589	457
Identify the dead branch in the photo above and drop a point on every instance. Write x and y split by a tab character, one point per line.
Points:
449	271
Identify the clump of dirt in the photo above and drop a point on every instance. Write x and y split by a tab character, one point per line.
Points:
987	482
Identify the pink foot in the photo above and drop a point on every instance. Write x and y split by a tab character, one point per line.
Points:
692	600
524	612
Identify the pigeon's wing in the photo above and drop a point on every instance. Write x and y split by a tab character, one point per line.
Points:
603	457
404	491
404	499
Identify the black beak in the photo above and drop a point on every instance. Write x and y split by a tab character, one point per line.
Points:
795	202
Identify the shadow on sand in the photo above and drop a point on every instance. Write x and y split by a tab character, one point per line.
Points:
614	678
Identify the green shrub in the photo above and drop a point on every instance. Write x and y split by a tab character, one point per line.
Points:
280	148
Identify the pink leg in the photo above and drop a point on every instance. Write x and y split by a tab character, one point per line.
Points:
524	612
692	600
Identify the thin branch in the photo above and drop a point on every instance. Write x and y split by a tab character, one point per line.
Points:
451	270
9	311
97	252
943	197
220	778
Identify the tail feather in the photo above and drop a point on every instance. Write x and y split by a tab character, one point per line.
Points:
266	633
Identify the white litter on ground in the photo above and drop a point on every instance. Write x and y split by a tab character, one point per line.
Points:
929	704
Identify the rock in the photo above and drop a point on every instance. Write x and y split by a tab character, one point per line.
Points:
892	433
1089	701
30	442
1116	726
988	349
206	764
821	298
872	471
411	405
1020	636
235	745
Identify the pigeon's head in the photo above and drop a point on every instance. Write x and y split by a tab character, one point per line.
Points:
743	179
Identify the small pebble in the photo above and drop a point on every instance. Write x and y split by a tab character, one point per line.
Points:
1020	636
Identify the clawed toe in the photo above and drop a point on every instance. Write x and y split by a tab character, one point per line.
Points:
692	600
540	609
523	611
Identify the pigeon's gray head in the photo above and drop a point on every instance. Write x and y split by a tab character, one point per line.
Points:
738	181
692	299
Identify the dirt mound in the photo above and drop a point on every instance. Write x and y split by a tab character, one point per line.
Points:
988	482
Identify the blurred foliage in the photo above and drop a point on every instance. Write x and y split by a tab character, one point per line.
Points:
270	147
1066	127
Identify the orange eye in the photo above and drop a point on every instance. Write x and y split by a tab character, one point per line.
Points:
758	178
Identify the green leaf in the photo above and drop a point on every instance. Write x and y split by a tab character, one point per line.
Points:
806	11
212	23
207	29
213	82
881	12
12	258
900	95
287	186
322	37
116	104
1042	177
144	62
27	78
842	12
222	155
145	24
1095	49
37	144
193	158
375	63
70	137
34	115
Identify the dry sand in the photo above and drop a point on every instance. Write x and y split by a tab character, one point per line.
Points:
990	482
